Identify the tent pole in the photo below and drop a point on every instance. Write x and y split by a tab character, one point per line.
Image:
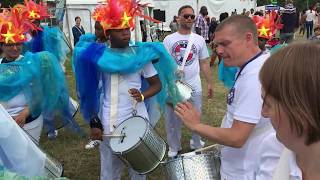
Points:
197	7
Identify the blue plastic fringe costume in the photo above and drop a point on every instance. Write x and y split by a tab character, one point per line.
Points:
40	78
49	39
20	158
227	74
91	59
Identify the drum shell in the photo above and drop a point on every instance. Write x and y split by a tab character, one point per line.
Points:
194	167
53	168
147	154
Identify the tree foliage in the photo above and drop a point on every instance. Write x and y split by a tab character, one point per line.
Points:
10	3
300	4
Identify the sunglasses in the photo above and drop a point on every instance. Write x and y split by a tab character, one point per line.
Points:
187	16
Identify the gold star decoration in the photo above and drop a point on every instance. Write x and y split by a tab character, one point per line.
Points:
8	37
125	20
22	36
263	31
33	14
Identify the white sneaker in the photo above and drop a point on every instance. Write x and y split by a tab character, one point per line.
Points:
193	147
172	153
53	135
92	144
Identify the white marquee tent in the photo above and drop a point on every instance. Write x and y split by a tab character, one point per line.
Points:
215	7
85	8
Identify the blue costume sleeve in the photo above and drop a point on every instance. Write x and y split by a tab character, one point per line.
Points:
85	58
54	42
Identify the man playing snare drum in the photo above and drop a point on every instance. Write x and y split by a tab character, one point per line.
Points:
198	58
243	127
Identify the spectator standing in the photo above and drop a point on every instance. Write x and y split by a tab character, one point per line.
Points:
251	12
289	21
244	11
197	60
311	16
201	24
77	30
212	27
303	23
174	25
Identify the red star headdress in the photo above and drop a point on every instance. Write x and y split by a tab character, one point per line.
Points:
13	26
267	26
32	10
119	14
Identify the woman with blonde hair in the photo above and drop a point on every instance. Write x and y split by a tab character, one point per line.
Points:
290	81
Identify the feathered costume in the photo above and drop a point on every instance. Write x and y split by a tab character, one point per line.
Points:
44	38
39	77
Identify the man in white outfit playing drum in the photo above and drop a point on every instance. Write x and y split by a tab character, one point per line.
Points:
243	127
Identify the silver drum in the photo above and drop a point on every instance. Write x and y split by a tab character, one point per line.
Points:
141	147
204	166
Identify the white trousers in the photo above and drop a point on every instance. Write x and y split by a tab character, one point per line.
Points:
34	129
173	125
111	165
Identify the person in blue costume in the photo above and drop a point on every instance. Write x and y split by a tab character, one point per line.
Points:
227	75
120	67
33	85
50	39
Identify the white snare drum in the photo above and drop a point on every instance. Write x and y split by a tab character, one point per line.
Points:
205	166
141	147
185	90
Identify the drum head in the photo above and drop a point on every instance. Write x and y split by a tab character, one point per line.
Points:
134	129
184	90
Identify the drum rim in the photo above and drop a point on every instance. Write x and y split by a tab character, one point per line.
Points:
189	157
134	146
186	84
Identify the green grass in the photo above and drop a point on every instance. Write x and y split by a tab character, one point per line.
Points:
81	164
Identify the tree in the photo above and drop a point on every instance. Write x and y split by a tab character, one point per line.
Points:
300	4
10	3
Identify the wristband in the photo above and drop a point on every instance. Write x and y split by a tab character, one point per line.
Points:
96	123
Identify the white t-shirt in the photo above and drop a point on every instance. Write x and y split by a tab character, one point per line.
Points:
270	151
16	104
125	101
245	104
295	171
311	15
176	45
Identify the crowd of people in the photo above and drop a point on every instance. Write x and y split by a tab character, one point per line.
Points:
271	127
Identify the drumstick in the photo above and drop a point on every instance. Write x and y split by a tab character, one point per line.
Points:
207	148
114	135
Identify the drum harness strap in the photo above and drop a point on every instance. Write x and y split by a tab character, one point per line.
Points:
186	55
114	101
115	80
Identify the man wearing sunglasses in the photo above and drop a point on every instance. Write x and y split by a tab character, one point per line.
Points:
198	58
201	24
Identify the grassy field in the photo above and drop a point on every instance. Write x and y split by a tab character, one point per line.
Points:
81	164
